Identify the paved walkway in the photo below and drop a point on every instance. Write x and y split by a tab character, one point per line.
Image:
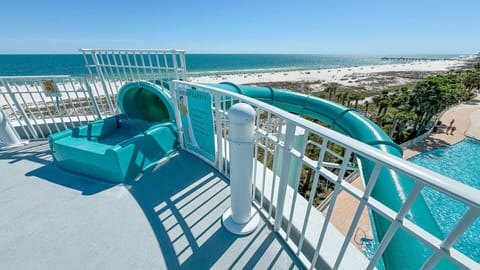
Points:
466	120
343	212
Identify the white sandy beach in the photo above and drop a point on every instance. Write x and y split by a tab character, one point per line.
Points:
362	76
350	76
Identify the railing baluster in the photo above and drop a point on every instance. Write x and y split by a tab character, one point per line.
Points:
321	156
69	98
15	114
275	161
256	142
79	100
336	191
282	186
265	157
135	62
183	66
395	224
297	184
361	206
103	82
40	115
144	68
36	133
165	62
219	132
173	94
90	97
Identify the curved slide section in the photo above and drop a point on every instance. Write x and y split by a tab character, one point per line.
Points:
404	251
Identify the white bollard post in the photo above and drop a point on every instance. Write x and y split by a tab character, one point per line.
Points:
8	136
241	218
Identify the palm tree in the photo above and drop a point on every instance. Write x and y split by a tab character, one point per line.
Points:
331	89
342	97
433	95
376	101
355	96
472	80
365	107
400	120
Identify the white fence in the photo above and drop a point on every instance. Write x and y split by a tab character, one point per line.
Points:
110	69
40	105
36	111
279	205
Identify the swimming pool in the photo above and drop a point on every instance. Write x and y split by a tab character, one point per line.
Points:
461	162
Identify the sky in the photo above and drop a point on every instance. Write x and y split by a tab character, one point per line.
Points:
236	26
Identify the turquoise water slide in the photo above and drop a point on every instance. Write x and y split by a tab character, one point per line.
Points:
404	251
118	148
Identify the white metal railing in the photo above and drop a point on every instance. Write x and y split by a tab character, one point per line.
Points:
35	112
110	69
272	185
41	105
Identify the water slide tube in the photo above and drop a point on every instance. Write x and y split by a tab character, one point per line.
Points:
404	251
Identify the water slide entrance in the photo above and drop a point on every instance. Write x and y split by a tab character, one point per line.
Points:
119	148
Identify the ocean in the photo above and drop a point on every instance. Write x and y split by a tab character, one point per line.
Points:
197	64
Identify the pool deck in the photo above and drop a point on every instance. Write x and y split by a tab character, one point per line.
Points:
170	218
467	123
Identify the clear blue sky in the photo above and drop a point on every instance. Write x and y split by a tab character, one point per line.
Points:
236	26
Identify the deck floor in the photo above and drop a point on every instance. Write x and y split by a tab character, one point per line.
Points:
170	218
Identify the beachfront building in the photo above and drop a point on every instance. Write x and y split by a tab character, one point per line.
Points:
144	169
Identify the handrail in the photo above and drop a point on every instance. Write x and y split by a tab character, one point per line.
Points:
134	50
276	205
460	191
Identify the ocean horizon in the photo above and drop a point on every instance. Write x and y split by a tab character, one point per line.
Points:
201	64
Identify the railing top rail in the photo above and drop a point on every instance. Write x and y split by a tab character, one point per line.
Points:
450	187
134	50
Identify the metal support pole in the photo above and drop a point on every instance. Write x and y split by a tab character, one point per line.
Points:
92	98
30	127
241	218
102	80
8	137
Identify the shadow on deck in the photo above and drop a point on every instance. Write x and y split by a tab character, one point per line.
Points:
170	218
185	212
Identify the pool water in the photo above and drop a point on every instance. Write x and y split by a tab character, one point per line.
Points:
461	162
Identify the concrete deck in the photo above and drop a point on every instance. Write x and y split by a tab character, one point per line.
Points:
170	218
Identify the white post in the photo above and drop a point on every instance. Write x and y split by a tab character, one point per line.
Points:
8	136
241	218
294	163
